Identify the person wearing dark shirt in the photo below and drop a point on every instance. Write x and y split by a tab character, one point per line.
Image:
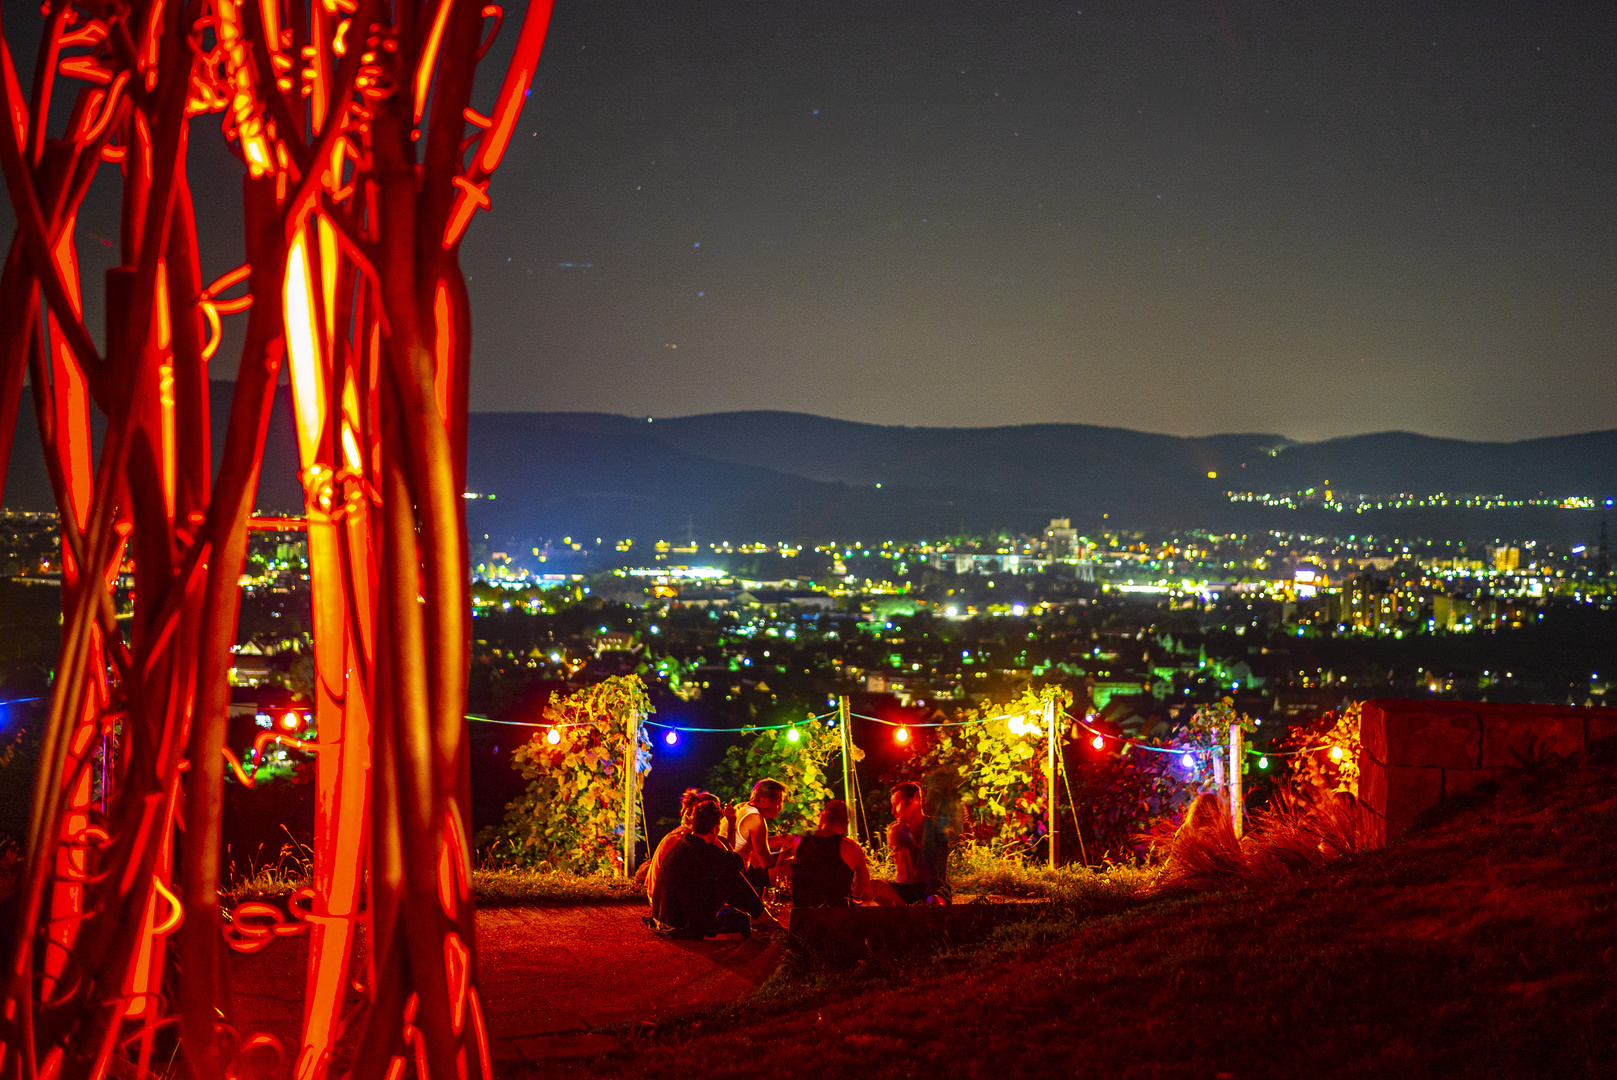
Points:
688	803
829	869
697	879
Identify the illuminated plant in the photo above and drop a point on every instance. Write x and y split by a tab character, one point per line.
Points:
797	756
364	163
571	815
1324	755
1000	763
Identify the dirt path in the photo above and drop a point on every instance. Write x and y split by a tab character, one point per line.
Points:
547	975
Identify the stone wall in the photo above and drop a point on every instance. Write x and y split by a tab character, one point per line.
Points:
1415	753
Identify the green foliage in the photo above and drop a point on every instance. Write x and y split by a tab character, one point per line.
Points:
571	816
1001	770
799	764
1210	724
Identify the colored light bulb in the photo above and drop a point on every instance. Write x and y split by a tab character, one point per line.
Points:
791	735
672	738
902	735
552	736
1263	762
1336	753
1098	743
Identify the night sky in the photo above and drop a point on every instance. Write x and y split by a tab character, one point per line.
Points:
1314	219
1311	219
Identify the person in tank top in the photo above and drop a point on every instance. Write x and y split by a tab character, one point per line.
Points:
760	852
828	869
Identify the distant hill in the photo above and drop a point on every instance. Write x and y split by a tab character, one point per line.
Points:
790	476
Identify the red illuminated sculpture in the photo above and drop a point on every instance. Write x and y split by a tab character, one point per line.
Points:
365	163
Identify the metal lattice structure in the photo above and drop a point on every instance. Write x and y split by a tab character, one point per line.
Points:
365	163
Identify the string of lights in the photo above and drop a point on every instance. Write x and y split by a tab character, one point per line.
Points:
1188	755
939	723
681	728
1101	736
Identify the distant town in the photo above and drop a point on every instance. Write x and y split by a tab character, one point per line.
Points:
1139	625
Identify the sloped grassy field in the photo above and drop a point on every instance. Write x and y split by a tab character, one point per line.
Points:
1484	943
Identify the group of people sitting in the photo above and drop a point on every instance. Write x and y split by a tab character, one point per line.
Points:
710	874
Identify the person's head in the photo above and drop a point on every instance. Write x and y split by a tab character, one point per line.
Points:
833	819
693	798
705	819
769	796
907	803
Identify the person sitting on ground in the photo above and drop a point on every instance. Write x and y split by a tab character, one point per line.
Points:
688	802
760	853
904	837
697	877
828	869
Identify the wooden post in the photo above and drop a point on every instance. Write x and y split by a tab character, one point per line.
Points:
1237	808
1218	777
1052	764
631	758
844	718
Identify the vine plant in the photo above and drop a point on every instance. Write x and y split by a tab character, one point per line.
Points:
571	815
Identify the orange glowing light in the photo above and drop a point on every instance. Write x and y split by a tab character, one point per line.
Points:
552	736
902	735
429	57
290	721
444	348
1337	754
308	382
1098	743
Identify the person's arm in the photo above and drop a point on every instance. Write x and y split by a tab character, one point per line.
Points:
756	832
854	856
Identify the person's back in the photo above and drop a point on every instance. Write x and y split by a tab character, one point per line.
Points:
829	870
691	885
688	802
821	877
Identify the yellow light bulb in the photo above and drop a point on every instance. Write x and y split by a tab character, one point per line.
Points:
552	736
1336	753
902	735
791	735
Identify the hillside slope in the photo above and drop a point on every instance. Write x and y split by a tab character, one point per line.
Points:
1482	944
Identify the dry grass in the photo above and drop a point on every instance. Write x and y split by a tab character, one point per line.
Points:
1298	836
290	870
1073	890
518	886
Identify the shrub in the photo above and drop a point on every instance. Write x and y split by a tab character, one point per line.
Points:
571	815
798	763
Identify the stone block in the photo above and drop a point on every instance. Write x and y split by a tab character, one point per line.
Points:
1410	791
1432	734
1599	725
1373	795
1512	736
1459	781
1373	729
